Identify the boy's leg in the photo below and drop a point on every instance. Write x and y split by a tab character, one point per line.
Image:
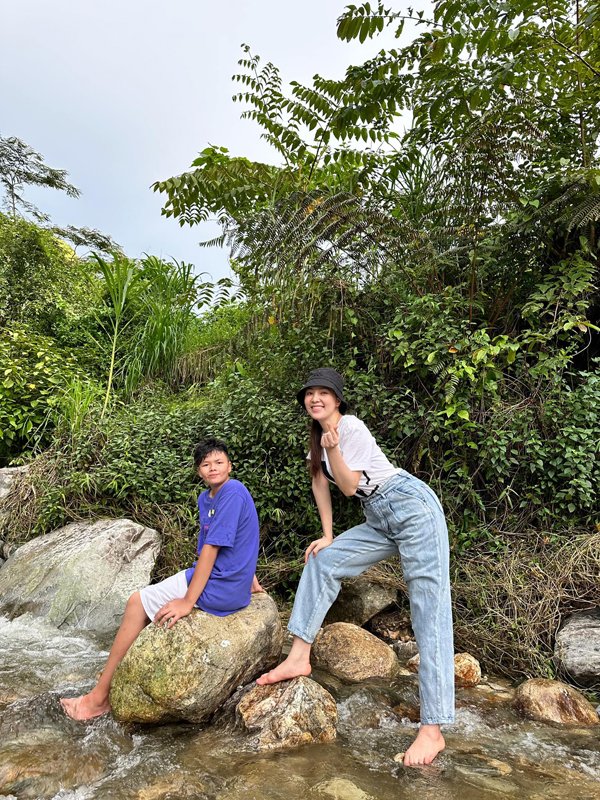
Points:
349	554
96	702
422	538
141	608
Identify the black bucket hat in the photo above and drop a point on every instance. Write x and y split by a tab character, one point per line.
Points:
325	377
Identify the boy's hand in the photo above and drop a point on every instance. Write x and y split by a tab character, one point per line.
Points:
314	548
172	611
330	439
256	587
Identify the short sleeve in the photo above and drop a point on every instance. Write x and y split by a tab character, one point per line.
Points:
225	522
356	445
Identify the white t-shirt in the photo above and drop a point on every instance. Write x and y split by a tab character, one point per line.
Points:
361	453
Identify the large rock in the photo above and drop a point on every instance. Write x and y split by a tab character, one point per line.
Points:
577	648
352	653
8	475
81	575
7	478
288	714
359	600
553	701
467	671
188	671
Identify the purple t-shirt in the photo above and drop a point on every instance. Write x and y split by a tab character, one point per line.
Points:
228	520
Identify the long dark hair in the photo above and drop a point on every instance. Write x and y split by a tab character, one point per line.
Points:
316	451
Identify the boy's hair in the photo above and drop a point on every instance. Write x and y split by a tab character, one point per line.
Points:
208	446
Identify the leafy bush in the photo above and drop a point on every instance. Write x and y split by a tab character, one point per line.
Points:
33	375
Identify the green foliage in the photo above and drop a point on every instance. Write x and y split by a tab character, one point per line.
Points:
41	280
33	374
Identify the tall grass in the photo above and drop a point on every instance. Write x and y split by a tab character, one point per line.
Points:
168	299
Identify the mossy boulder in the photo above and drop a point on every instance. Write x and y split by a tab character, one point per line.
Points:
80	576
188	671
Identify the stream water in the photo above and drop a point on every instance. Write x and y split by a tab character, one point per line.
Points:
490	751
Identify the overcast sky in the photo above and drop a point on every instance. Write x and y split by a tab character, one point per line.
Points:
124	92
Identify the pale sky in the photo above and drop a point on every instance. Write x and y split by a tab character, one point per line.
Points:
124	92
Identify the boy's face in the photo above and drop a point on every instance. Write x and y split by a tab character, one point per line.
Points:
214	470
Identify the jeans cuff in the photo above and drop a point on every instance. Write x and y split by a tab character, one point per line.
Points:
302	636
438	721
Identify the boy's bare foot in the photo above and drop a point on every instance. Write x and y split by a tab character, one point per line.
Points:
84	707
426	746
288	669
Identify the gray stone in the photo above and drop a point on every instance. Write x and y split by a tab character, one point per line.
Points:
188	671
359	600
577	648
79	576
7	478
7	549
405	650
8	475
288	714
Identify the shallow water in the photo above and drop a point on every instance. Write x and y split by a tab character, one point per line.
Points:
490	752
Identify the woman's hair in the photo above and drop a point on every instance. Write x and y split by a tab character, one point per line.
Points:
208	446
316	451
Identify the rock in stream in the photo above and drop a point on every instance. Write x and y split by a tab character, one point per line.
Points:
188	671
79	576
288	714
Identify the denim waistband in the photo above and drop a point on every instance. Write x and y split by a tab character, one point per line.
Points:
386	487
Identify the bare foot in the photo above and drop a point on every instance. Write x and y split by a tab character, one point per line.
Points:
84	707
288	669
426	746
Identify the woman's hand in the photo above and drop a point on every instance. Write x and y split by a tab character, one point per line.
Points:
314	548
172	611
330	439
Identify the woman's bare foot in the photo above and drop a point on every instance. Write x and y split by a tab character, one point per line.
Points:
297	663
85	707
426	746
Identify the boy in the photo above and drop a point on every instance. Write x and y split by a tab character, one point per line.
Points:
220	582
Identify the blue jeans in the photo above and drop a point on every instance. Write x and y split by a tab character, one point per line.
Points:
403	516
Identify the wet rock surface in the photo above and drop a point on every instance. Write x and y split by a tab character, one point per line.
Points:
79	576
577	648
467	671
553	701
360	599
352	653
288	714
187	672
340	789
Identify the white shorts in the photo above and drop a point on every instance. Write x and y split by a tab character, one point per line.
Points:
159	594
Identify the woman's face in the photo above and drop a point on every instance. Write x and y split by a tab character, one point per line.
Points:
320	402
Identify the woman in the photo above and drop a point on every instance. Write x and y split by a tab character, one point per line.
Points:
402	515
